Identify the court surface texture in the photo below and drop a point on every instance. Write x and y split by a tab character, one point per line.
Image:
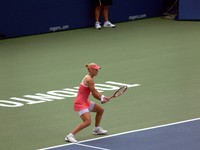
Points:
183	135
157	58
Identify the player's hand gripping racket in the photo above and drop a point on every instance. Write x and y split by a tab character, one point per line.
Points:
119	92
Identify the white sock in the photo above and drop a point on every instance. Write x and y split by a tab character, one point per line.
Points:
71	134
96	128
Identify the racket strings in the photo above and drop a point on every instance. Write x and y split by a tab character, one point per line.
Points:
121	91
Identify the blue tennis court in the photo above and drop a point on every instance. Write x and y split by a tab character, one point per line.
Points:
184	135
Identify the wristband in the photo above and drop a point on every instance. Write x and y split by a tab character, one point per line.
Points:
102	98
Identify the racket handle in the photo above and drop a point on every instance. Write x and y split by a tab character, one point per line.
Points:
108	98
102	98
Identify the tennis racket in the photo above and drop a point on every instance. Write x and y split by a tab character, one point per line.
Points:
119	92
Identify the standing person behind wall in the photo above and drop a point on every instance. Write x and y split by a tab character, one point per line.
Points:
104	5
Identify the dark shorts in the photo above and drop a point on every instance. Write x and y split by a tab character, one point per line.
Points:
103	2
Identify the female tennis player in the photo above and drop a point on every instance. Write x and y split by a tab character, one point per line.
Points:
85	106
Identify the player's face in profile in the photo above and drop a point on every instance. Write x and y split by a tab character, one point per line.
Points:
94	71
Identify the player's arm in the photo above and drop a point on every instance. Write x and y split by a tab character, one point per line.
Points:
94	92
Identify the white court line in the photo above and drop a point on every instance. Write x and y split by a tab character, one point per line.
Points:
150	128
94	147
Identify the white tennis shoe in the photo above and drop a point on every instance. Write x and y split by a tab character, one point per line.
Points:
99	131
108	24
70	138
97	25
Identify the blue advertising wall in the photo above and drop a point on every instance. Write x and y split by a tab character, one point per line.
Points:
189	10
27	17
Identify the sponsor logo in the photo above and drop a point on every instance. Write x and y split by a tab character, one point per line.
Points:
59	28
54	95
137	17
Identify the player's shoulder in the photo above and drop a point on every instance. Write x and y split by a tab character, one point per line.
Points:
89	79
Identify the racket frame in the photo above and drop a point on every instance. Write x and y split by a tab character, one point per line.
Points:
114	95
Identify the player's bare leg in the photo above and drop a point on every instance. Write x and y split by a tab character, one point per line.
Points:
86	122
99	113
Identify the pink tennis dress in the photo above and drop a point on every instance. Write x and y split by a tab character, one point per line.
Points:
81	101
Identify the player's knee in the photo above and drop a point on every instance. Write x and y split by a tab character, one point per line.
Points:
98	109
88	123
102	110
